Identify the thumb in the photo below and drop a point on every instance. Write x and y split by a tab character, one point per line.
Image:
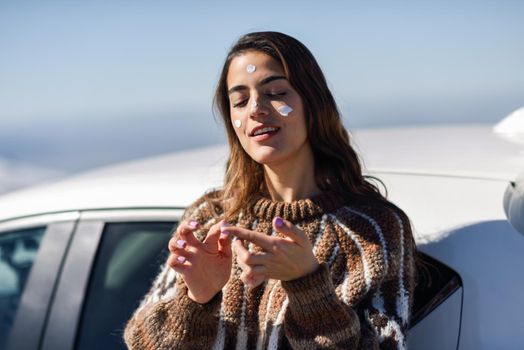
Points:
213	234
224	241
288	229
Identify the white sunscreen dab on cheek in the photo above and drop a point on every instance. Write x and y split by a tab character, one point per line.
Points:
285	110
238	123
251	68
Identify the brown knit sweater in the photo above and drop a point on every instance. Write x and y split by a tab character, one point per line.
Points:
359	298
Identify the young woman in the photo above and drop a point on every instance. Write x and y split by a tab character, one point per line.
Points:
298	249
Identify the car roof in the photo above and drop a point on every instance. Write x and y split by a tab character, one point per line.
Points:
471	150
174	180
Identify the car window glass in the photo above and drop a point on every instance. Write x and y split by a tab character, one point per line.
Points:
17	253
129	257
436	282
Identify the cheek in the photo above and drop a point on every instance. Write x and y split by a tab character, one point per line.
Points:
242	138
300	123
238	122
291	107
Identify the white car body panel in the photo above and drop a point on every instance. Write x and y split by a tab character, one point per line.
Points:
472	151
447	313
155	182
450	180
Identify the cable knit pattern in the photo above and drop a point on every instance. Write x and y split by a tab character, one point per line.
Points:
359	298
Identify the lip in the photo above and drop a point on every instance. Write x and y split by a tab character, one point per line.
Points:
261	126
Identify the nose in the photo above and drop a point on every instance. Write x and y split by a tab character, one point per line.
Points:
257	107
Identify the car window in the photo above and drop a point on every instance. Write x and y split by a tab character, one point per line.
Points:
17	253
129	257
436	282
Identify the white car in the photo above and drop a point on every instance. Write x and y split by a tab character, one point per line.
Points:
77	255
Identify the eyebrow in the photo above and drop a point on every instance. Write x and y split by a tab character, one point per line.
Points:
262	82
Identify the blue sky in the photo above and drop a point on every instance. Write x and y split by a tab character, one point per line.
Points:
89	83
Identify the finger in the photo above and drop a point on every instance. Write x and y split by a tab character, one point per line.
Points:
250	258
182	252
260	239
176	243
224	243
252	281
255	271
241	253
258	258
289	230
213	234
177	262
259	270
240	249
179	246
186	226
187	234
242	265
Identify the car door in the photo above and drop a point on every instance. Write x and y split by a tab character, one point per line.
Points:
112	259
31	255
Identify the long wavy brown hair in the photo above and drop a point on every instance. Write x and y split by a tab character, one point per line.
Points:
337	166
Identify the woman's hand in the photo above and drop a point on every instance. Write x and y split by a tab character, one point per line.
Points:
284	259
204	266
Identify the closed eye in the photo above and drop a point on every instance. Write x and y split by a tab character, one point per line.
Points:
240	104
275	94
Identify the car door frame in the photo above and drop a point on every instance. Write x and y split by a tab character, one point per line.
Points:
66	310
31	315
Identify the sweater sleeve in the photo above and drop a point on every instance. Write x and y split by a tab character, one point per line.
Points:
316	317
369	305
167	318
176	323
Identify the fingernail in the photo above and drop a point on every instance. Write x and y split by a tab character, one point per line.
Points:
223	228
193	224
235	239
279	222
181	243
181	259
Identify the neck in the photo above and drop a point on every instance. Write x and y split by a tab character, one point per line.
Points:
291	180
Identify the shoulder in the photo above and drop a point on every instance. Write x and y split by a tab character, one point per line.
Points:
380	234
380	226
377	214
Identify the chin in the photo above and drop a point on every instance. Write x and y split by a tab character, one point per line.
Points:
266	157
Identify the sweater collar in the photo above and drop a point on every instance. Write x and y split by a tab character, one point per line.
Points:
298	210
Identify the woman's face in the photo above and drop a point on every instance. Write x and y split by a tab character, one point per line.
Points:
267	114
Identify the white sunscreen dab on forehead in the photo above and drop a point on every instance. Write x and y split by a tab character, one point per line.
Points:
238	123
251	68
285	110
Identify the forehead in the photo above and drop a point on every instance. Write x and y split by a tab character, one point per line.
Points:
265	66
